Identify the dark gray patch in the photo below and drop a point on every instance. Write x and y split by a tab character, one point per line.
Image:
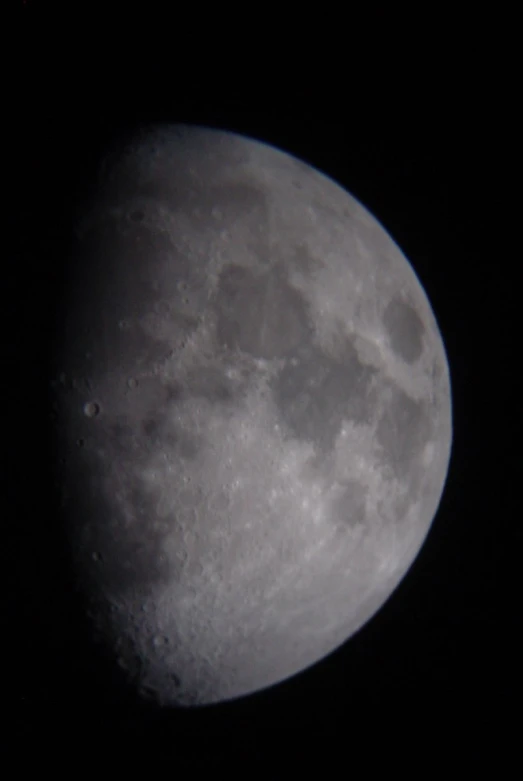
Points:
174	392
402	432
129	547
237	198
123	437
316	394
148	692
348	507
396	507
235	202
260	314
212	208
245	206
158	433
402	505
113	286
151	427
417	480
302	259
207	382
239	207
115	269
186	445
404	329
210	384
137	215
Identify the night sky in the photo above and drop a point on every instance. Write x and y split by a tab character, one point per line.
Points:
426	157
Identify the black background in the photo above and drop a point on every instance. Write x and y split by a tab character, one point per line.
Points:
426	154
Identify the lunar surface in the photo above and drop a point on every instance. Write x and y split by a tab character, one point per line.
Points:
254	414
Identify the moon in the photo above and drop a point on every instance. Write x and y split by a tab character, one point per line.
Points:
255	416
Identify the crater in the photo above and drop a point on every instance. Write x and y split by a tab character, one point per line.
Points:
404	330
260	314
315	393
91	409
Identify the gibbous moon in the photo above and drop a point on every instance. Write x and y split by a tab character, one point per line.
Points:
254	414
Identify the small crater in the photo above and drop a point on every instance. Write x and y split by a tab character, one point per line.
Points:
137	215
96	556
132	383
91	409
80	442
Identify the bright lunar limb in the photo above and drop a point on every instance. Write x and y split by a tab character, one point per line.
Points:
257	427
